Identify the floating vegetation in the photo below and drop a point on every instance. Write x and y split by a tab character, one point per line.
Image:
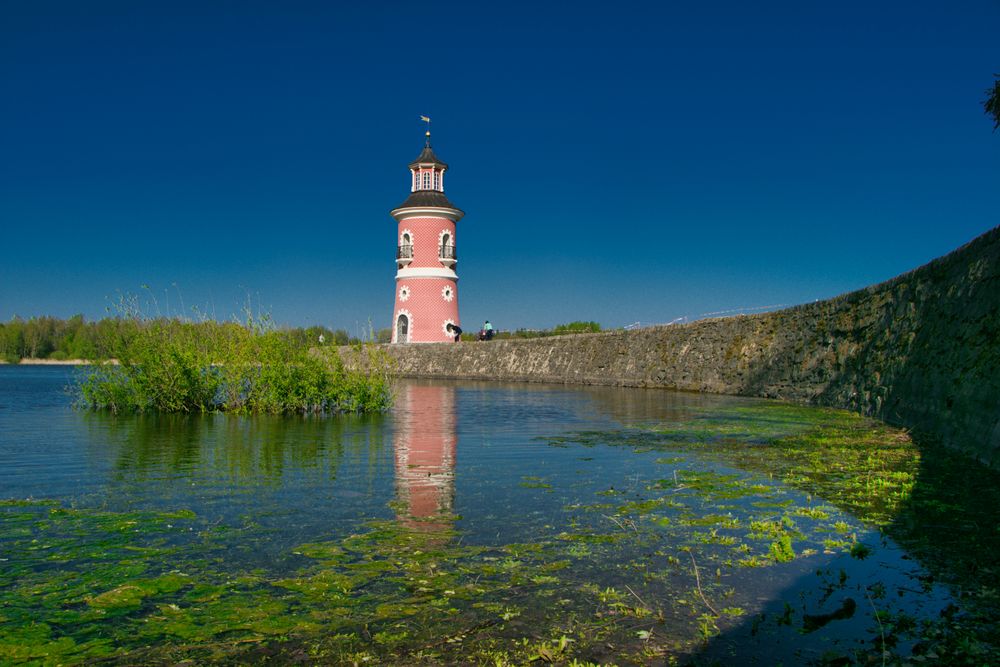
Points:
390	593
939	505
535	482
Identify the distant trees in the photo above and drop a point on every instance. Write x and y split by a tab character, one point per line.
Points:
76	338
576	327
12	339
49	338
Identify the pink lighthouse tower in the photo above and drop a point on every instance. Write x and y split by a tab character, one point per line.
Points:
426	282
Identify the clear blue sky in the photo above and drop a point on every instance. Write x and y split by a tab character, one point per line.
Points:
617	162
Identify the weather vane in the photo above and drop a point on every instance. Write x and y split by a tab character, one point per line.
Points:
428	121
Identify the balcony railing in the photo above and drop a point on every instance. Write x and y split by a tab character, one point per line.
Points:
447	252
404	252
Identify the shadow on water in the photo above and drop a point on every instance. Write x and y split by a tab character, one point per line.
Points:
949	533
923	585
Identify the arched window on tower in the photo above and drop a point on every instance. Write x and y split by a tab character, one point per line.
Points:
437	180
404	253
446	251
425	181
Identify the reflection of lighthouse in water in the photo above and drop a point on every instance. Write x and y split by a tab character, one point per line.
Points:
424	442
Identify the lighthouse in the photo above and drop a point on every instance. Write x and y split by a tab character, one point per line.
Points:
426	283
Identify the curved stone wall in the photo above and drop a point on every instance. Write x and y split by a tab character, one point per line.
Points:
921	350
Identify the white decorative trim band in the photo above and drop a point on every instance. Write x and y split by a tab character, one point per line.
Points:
426	272
401	214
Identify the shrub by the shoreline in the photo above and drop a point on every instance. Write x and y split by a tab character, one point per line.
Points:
170	365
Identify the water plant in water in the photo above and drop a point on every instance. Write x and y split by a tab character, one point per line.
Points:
172	365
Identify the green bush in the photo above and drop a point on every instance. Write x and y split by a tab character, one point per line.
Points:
577	327
178	366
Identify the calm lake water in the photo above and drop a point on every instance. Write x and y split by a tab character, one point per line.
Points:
598	525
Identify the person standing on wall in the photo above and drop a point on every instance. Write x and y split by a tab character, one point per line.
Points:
488	330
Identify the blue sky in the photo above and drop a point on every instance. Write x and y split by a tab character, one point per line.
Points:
617	162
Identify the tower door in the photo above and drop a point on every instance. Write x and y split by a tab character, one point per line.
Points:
402	329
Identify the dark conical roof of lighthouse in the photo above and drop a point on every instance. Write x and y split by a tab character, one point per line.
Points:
427	157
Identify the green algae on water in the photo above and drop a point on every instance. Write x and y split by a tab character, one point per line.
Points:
638	570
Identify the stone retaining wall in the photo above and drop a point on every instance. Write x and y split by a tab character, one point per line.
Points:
921	350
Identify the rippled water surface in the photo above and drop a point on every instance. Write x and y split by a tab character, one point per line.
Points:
473	521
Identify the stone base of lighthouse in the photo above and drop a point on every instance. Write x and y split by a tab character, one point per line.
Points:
424	308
